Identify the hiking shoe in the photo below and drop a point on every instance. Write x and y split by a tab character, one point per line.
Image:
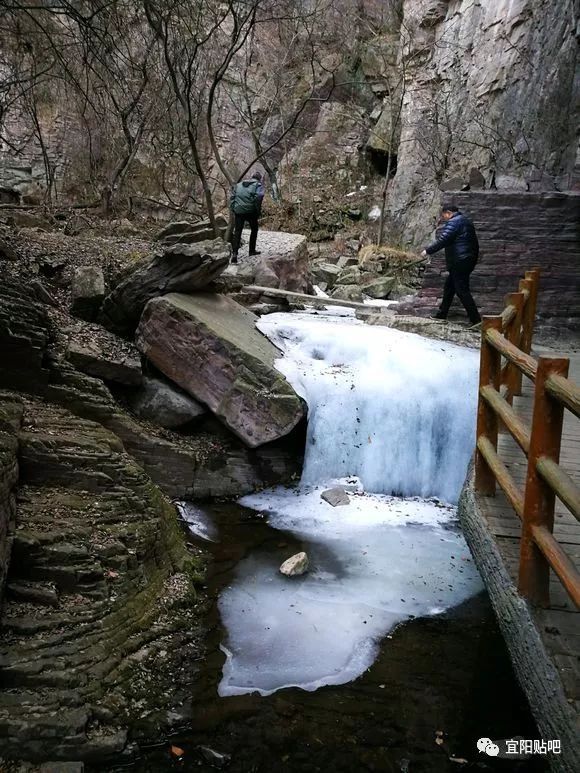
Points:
256	252
437	315
234	259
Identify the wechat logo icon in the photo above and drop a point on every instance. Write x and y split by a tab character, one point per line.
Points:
488	746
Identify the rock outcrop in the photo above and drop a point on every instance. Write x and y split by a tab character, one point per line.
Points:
97	580
181	268
199	466
209	346
496	97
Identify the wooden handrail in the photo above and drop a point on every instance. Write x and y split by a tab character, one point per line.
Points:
510	336
562	484
522	360
509	417
501	474
559	561
566	391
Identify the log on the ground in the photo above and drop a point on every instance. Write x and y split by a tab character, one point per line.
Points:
314	299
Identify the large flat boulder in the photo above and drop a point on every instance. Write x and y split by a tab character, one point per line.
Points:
180	268
283	263
208	345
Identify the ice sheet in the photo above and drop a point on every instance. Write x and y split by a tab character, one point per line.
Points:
374	563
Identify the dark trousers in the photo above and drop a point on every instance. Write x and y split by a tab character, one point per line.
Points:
457	283
252	221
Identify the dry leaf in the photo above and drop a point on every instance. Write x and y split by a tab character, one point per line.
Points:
177	751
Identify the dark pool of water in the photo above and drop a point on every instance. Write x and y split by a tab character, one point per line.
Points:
446	678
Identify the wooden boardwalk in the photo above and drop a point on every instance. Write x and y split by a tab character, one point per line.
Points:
544	642
559	625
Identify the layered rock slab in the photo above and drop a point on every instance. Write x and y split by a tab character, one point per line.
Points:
182	268
209	346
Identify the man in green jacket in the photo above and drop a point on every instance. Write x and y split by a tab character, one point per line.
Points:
246	204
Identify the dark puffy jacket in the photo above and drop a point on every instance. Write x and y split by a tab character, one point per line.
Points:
459	239
246	198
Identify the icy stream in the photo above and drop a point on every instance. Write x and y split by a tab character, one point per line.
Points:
397	411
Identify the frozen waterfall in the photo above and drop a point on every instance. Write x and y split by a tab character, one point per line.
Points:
398	411
395	409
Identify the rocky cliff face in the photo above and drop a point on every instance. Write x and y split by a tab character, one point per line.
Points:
491	87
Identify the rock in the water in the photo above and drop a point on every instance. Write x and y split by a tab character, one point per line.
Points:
380	288
98	353
209	346
182	268
216	759
295	565
165	404
335	496
88	291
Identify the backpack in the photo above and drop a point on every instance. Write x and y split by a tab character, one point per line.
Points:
245	199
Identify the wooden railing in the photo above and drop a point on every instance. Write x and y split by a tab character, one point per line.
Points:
509	336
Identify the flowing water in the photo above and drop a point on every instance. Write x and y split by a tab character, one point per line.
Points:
385	656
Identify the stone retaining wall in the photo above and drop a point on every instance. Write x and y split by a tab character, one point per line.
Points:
519	231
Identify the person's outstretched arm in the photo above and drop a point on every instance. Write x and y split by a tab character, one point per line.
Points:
447	234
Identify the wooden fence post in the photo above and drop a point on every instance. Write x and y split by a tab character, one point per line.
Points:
539	498
527	325
487	424
512	379
529	316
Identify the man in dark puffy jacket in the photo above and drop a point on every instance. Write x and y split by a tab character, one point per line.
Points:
457	235
246	204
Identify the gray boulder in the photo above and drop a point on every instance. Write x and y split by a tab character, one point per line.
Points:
325	272
379	288
182	268
164	404
87	291
349	276
208	345
336	496
347	293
